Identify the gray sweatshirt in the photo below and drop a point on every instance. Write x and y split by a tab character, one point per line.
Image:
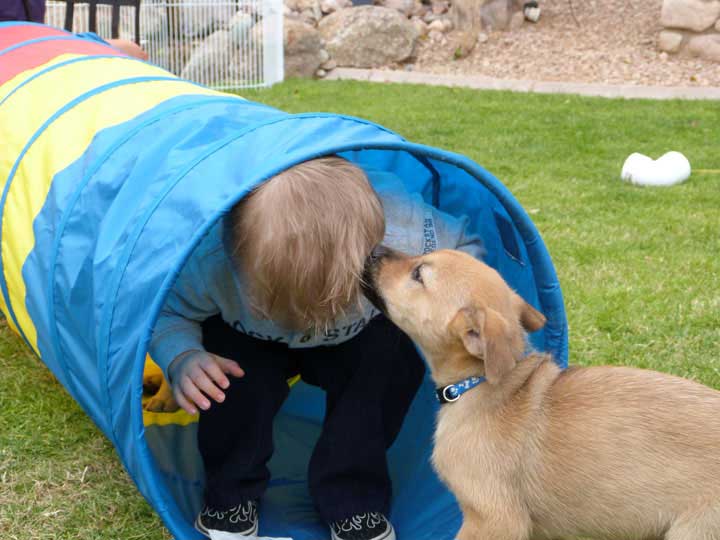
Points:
209	285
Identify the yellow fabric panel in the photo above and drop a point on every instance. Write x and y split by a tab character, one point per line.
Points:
63	142
26	110
151	368
5	90
179	417
9	154
16	81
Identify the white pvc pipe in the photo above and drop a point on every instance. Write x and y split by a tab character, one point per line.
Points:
670	169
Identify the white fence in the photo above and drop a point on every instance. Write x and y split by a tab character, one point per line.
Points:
224	44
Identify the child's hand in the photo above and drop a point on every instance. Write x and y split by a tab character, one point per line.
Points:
196	374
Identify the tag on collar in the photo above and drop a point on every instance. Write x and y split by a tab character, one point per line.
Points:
452	392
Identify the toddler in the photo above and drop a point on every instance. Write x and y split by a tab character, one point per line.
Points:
274	291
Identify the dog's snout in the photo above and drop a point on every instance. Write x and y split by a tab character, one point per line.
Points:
381	252
378	253
373	260
368	285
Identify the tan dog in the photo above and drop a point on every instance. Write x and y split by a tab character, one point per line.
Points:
539	453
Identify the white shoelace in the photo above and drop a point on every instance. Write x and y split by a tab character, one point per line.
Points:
355	523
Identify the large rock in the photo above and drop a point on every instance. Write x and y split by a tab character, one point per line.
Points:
467	21
330	6
368	36
240	27
208	62
466	15
201	17
440	6
406	7
219	57
496	14
517	20
707	47
420	26
302	5
310	10
303	49
670	41
171	55
697	15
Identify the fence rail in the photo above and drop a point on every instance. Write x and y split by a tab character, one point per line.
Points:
224	44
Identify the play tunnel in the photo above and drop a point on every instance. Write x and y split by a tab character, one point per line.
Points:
111	172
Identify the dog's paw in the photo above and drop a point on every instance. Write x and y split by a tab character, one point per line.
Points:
163	400
152	383
159	403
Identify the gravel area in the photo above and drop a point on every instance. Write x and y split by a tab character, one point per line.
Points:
613	42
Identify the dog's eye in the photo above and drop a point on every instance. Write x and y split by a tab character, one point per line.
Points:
416	275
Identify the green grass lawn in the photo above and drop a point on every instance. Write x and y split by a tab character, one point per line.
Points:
640	271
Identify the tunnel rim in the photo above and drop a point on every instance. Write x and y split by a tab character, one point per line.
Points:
538	255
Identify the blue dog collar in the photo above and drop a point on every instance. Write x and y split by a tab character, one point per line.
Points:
452	392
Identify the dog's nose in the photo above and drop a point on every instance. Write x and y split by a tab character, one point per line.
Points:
379	252
367	283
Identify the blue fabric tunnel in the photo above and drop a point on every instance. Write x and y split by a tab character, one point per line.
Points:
110	180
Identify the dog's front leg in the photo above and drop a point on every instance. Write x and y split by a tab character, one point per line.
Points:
498	524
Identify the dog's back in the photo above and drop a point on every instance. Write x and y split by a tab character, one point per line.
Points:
618	435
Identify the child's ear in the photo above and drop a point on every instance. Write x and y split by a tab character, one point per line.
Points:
486	335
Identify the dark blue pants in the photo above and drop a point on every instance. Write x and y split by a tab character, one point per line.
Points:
369	381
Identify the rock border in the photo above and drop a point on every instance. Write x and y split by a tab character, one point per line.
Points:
480	82
691	27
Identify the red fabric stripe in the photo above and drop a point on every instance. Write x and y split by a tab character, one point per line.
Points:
10	35
37	54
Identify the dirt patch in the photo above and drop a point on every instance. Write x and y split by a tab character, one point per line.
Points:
613	42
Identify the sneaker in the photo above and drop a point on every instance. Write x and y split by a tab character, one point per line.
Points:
240	520
370	526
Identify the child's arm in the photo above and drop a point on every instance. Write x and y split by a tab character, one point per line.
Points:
176	345
129	47
123	45
178	330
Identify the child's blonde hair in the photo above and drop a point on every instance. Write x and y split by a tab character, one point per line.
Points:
301	240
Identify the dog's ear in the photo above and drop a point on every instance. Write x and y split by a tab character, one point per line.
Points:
468	325
486	335
530	318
